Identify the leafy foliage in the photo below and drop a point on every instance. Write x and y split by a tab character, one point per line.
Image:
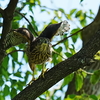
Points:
15	73
95	78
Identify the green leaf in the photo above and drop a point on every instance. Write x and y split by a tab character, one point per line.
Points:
5	73
42	10
68	16
13	92
90	17
13	82
78	81
59	98
27	75
55	58
97	56
66	44
68	54
91	12
58	15
68	79
72	96
1	82
18	74
5	62
10	49
25	57
41	98
75	30
75	37
59	49
20	85
62	10
83	22
84	74
33	22
38	1
72	11
95	78
32	1
78	13
53	21
81	0
2	97
6	90
15	22
15	56
93	97
72	50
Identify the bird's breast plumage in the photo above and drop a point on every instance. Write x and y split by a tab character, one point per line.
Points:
40	51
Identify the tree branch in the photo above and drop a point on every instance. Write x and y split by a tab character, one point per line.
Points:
61	70
7	15
28	22
69	36
1	11
14	51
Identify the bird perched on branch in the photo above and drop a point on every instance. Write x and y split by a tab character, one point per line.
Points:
39	49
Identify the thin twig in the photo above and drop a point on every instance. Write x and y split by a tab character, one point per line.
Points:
49	8
28	22
89	73
67	37
14	51
58	54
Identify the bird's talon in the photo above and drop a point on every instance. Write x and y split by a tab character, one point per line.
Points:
43	72
33	79
46	70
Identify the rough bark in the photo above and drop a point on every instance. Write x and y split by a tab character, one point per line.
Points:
61	70
7	15
88	88
58	72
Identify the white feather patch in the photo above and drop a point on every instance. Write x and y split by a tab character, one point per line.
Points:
64	27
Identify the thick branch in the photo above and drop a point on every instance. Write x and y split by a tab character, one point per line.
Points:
7	15
61	70
1	11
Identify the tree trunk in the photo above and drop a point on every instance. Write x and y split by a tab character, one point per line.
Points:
88	87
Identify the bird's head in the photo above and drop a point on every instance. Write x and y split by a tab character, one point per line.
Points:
26	34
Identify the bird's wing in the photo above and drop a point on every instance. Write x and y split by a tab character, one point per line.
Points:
55	29
18	36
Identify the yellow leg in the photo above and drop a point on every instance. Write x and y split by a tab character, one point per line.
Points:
32	80
32	66
43	71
